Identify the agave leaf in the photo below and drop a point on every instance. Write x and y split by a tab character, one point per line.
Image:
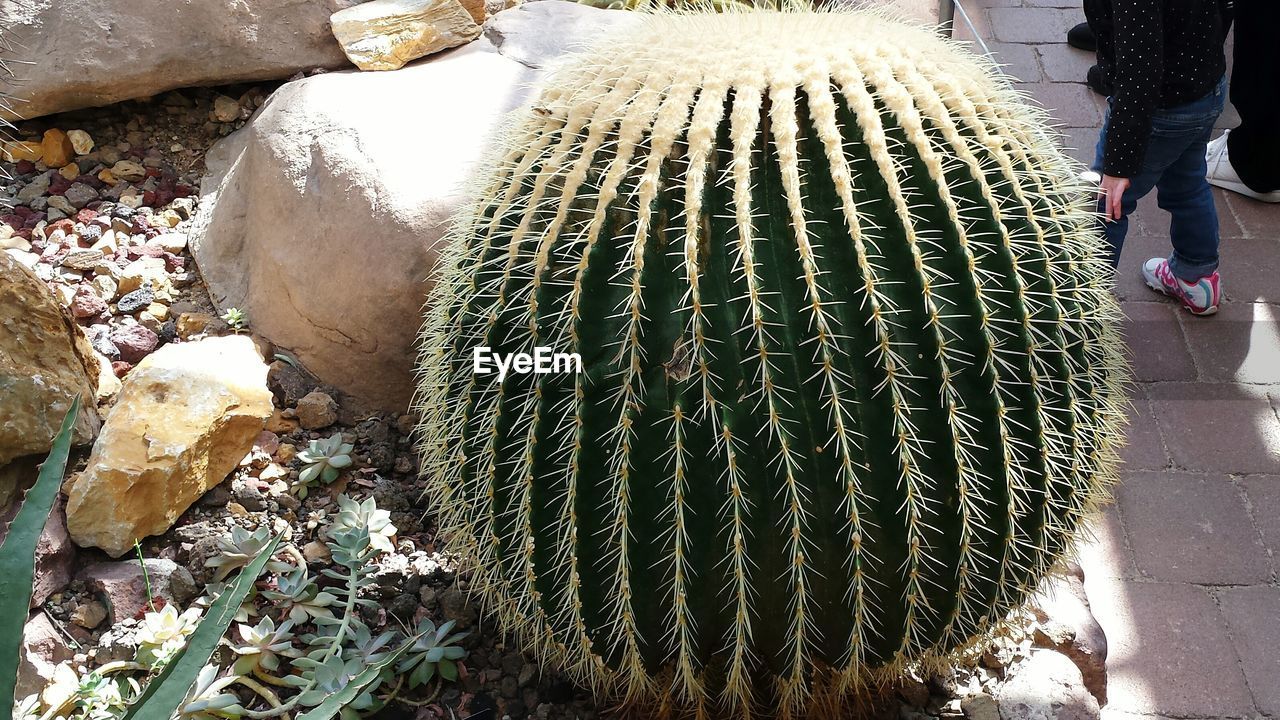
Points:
335	702
166	693
18	556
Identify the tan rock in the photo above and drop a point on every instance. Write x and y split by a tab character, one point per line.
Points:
349	127
75	62
142	270
386	34
70	171
25	150
128	171
55	148
81	141
45	361
186	415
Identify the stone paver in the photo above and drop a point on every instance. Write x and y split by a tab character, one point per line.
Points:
1144	449
1169	651
1218	427
1239	344
1031	25
1263	492
1256	219
1158	349
1181	570
1191	528
1252	614
1250	268
1063	63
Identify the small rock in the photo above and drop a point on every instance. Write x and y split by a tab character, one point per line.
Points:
288	383
980	707
174	242
105	287
81	142
87	303
14	242
124	588
100	339
134	342
315	551
56	149
42	650
386	34
136	300
1048	686
225	109
141	270
62	205
128	170
82	259
454	606
1067	624
34	189
25	151
89	615
317	410
190	324
70	171
185	417
80	194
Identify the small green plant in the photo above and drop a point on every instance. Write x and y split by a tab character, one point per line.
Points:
235	319
322	462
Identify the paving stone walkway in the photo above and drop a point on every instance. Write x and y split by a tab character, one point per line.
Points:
1183	573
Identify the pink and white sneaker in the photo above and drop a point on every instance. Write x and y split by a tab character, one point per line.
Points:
1199	298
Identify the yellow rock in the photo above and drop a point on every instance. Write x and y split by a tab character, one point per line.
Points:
81	142
56	149
386	34
45	361
70	171
143	269
184	418
27	150
106	177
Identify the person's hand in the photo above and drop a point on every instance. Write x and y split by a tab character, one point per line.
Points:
1113	189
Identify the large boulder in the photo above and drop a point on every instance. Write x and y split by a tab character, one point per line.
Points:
85	53
322	217
45	362
186	415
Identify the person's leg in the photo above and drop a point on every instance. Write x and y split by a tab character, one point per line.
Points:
1254	146
1188	198
1156	159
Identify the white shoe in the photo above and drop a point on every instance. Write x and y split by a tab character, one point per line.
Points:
1221	173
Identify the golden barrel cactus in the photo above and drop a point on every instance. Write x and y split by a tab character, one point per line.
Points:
850	382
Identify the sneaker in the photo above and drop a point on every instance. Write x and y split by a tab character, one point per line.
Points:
1081	37
1221	173
1199	298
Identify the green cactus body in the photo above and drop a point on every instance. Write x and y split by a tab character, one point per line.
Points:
850	382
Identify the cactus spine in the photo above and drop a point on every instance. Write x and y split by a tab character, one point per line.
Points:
850	379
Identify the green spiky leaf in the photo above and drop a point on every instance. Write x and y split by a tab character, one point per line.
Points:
166	693
18	556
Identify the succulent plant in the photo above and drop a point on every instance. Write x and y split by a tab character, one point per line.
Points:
262	646
435	651
323	460
296	593
235	319
851	377
163	633
238	549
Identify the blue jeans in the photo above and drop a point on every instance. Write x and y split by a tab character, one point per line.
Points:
1174	165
